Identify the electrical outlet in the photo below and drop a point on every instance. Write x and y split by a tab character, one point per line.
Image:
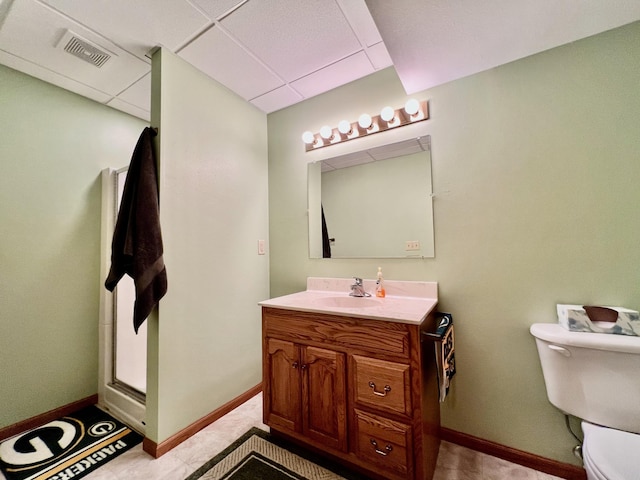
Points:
412	245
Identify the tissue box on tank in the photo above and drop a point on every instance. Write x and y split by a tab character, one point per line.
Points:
575	318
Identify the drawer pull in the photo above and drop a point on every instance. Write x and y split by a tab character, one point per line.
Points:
387	389
388	448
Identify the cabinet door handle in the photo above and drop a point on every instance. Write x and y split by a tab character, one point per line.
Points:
304	366
387	451
387	389
294	365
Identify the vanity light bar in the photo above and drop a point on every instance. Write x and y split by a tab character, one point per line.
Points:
413	111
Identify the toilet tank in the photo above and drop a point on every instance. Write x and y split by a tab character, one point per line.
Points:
593	376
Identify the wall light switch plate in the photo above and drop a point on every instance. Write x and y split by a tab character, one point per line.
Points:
412	245
261	247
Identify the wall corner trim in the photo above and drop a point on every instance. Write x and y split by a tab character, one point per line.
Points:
157	450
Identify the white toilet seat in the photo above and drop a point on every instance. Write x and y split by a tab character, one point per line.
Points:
610	454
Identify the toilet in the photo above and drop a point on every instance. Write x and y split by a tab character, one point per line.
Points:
596	377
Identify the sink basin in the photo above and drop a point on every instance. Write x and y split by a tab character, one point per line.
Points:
348	302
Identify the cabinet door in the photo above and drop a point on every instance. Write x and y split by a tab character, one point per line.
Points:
282	382
324	396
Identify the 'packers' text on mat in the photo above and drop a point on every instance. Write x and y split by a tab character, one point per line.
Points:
67	448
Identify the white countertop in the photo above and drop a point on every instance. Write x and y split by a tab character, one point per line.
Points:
405	301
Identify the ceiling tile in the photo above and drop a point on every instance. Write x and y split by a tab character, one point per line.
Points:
325	167
217	8
360	19
137	26
379	56
277	99
348	160
139	94
407	147
32	31
215	54
382	152
293	38
345	71
130	109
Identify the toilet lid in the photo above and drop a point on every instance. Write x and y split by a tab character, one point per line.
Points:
613	452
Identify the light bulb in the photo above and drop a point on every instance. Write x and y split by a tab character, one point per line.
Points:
412	106
365	120
308	137
326	132
344	127
387	114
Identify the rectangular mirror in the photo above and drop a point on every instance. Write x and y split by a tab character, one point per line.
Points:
375	203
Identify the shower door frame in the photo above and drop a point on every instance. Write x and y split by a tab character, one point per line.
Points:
121	400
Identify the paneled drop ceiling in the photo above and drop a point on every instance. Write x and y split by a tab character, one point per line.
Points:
275	53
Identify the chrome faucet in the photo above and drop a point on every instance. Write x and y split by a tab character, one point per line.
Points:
357	289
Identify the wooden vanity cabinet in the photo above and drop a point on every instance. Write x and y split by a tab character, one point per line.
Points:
307	391
363	391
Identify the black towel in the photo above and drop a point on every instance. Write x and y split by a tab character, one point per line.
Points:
326	242
137	241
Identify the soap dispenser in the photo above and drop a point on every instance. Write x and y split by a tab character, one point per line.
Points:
380	284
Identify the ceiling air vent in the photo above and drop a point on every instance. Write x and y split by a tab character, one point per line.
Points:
84	49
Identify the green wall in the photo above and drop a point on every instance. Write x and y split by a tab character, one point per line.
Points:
205	343
535	171
53	145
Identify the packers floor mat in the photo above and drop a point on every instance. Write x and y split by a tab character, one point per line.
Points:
67	448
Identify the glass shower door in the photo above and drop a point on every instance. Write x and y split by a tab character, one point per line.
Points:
130	350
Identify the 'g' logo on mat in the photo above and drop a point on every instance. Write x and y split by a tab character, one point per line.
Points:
41	444
101	428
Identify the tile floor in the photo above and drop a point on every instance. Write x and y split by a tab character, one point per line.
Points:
454	462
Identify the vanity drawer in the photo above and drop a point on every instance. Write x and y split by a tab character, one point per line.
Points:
384	443
346	332
381	384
